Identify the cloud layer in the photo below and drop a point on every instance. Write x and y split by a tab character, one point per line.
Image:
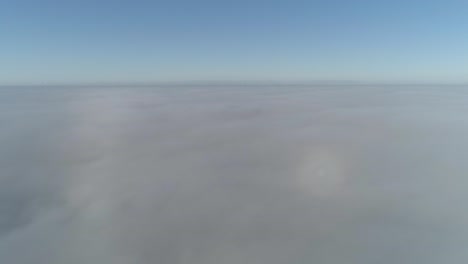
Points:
233	175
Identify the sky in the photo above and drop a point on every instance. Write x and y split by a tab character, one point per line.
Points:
137	41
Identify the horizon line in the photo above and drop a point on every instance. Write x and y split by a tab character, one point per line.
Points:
231	83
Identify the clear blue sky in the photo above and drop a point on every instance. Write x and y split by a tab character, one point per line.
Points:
88	41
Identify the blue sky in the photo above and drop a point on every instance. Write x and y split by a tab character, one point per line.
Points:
246	40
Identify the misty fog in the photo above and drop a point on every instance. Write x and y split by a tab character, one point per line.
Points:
234	175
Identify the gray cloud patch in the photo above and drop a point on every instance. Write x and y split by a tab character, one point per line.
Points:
233	175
